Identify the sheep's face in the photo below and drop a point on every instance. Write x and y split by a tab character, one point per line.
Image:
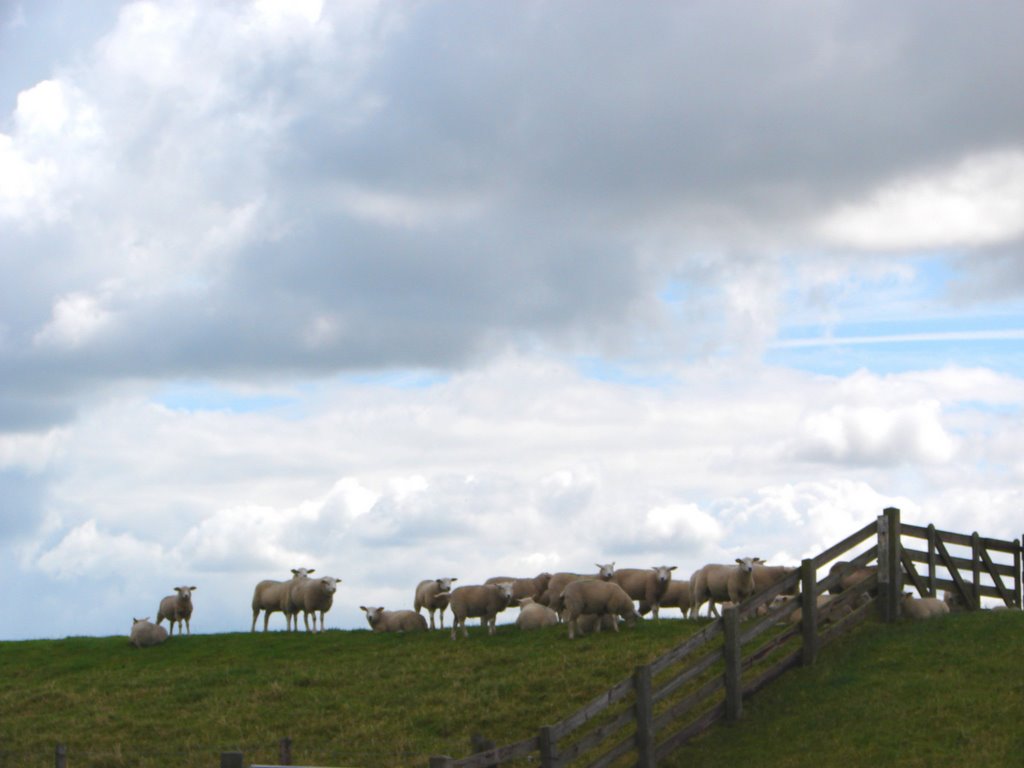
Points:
664	573
329	584
373	614
746	564
184	592
605	571
445	584
302	573
505	589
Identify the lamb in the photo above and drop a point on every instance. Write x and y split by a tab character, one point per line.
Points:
271	596
485	601
394	621
312	596
145	633
177	608
558	582
720	583
677	595
922	607
433	594
646	585
602	598
521	588
533	615
854	575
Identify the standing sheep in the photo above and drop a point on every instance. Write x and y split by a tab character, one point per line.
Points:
721	583
646	585
601	598
433	595
922	607
485	601
394	621
271	596
677	595
312	596
532	587
551	597
533	615
145	633
177	608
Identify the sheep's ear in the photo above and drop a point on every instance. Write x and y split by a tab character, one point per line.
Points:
363	608
739	560
193	588
672	567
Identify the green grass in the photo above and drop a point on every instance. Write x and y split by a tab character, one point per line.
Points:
945	692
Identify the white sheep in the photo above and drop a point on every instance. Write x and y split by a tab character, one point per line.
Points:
524	587
312	596
483	601
766	576
551	597
600	598
271	596
720	583
922	607
677	595
647	585
533	615
145	633
381	620
954	601
590	622
176	609
853	575
433	595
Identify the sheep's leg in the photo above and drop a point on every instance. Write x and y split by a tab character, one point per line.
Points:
188	624
255	615
572	627
615	621
266	619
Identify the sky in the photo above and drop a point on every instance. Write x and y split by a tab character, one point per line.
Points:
398	291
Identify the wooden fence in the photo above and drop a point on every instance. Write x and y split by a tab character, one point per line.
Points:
705	679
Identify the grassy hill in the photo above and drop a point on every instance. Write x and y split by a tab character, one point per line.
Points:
948	692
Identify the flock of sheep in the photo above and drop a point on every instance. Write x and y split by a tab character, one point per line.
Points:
584	602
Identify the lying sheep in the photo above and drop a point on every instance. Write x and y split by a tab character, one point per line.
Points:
271	596
176	609
483	601
677	595
559	581
533	615
145	633
521	588
854	575
433	595
922	607
394	621
601	598
719	583
647	585
312	596
954	601
827	612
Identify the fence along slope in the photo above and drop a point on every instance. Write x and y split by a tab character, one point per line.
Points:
704	679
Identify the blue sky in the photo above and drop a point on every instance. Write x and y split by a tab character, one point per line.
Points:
399	291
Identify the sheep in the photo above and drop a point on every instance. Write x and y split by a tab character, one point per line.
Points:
521	588
852	576
433	595
591	622
312	596
271	596
558	582
827	612
677	595
533	615
145	633
647	585
485	601
954	601
922	607
177	608
394	621
602	598
718	583
766	576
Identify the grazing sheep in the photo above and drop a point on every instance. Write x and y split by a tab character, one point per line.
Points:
145	633
312	596
177	608
271	596
533	615
601	598
558	582
922	607
483	601
677	595
591	622
394	621
521	588
647	585
720	583
853	575
433	594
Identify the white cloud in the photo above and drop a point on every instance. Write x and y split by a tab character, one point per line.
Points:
87	552
77	320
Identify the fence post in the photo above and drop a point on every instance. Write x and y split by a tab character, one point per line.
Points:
548	747
889	582
440	761
230	760
284	751
932	549
1018	577
976	568
644	717
809	611
731	652
60	757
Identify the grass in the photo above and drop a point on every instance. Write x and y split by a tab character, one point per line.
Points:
945	692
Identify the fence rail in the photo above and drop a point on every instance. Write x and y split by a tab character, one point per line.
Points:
705	679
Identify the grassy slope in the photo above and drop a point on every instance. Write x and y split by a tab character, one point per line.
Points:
352	698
